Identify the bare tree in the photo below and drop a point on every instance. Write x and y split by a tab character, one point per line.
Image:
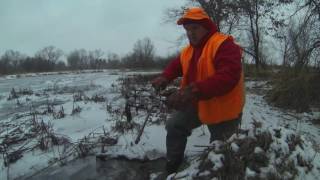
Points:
144	49
96	54
303	37
60	65
50	54
303	42
284	48
78	59
223	12
95	59
255	11
10	61
143	53
314	5
113	60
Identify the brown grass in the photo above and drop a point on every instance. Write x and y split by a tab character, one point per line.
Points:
295	92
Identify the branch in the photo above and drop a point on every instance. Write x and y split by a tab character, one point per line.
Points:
248	52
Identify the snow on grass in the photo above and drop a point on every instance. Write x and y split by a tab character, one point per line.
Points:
30	162
77	126
51	89
216	160
287	156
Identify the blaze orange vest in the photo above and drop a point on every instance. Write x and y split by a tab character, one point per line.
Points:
221	108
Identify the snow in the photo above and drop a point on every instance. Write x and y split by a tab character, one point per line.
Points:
234	147
94	118
258	150
76	127
216	159
250	173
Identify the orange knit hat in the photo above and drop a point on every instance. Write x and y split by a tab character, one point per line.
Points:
194	13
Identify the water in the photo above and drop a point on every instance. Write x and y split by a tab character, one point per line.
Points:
92	168
86	168
67	83
44	81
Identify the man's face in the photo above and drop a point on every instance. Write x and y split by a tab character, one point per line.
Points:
195	33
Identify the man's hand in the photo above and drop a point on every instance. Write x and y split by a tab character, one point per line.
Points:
183	98
159	83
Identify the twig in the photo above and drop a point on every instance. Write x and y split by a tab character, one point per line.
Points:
142	129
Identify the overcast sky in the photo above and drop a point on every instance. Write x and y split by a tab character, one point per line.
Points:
110	25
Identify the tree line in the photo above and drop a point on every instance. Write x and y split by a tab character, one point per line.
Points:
50	58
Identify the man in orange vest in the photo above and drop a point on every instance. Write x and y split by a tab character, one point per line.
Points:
211	90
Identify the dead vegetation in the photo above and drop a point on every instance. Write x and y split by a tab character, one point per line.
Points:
142	105
13	148
298	93
140	99
14	94
236	161
20	141
37	132
32	130
124	126
81	96
255	153
251	152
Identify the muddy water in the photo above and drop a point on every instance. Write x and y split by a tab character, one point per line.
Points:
92	168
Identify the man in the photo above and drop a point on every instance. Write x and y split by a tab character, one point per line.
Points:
211	90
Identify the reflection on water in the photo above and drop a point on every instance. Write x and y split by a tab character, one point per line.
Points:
102	168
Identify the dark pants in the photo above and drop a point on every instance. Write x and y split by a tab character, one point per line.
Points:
180	126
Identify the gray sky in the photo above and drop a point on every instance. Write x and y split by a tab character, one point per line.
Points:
110	25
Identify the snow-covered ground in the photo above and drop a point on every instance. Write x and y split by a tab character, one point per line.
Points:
19	117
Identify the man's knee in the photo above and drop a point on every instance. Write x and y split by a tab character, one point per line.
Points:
175	121
170	124
224	130
176	127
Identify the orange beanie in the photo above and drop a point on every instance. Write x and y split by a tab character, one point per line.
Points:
194	13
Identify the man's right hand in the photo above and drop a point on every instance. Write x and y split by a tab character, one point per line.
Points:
159	83
183	98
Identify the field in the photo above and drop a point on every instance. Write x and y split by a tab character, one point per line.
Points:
58	119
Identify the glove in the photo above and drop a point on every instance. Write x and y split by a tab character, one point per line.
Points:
183	98
159	83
